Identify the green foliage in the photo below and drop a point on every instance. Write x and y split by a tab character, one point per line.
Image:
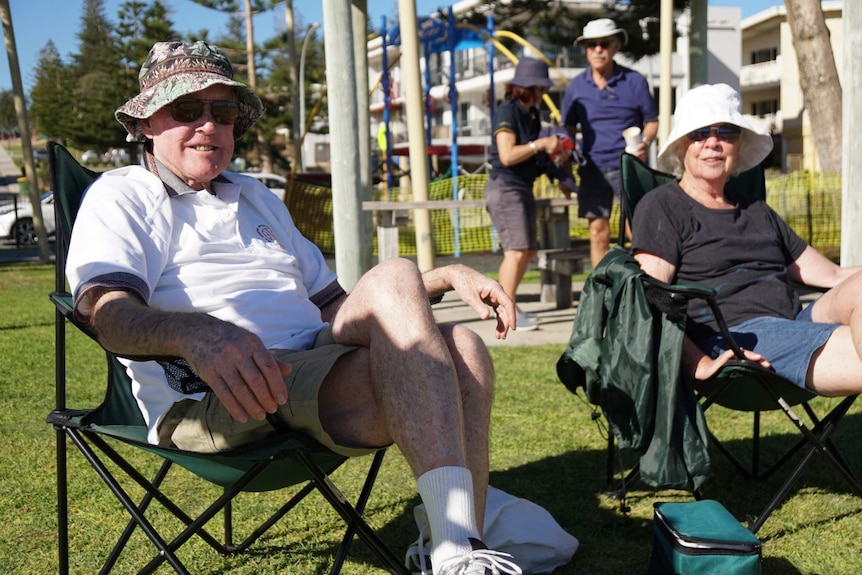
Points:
8	116
551	23
52	95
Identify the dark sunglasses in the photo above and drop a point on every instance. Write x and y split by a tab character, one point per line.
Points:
188	110
605	44
724	132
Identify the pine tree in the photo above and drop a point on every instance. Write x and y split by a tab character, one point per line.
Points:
97	86
51	107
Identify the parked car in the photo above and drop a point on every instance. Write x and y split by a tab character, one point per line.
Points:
18	225
116	157
274	182
91	157
40	155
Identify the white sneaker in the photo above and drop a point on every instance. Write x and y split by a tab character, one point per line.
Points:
418	556
480	561
526	322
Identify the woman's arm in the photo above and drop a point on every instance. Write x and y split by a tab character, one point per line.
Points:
694	361
511	153
814	269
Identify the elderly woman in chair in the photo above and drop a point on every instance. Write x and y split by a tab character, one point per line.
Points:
691	231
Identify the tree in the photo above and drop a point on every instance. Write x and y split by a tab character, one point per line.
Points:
139	26
818	79
8	116
52	95
552	23
96	88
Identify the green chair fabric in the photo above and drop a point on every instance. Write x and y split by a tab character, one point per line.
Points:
286	459
741	385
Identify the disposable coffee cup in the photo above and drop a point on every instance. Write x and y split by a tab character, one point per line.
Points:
633	137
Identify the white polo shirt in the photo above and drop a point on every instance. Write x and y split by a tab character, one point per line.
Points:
235	255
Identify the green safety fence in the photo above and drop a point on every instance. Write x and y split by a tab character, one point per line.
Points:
810	203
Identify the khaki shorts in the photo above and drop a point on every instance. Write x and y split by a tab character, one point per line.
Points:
206	426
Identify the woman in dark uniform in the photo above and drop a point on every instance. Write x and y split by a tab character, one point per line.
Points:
518	156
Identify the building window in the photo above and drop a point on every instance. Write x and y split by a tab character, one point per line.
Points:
764	108
764	55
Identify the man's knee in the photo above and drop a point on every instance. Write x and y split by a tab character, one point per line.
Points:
472	360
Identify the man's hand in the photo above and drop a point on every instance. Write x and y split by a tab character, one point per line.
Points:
239	369
479	292
233	361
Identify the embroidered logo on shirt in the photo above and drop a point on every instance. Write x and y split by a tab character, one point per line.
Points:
266	233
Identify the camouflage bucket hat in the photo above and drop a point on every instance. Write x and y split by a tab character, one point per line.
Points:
175	69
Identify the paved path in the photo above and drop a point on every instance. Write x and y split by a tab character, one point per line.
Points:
9	172
555	325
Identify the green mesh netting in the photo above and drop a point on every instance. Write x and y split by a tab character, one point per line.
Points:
811	204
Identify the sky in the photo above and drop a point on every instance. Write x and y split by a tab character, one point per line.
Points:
37	21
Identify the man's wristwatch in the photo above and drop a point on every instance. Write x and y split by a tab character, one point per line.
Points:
533	147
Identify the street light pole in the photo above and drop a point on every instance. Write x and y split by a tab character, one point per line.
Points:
308	34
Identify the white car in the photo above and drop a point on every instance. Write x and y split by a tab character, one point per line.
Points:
18	226
274	182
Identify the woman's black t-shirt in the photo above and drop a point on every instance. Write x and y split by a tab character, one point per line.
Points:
742	253
525	124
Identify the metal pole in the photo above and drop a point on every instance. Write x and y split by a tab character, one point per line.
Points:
416	129
666	50
309	33
344	138
363	128
24	128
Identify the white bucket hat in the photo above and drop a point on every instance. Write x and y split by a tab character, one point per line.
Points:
708	105
602	28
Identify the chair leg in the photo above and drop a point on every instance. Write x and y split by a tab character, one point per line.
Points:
361	502
166	553
349	514
62	503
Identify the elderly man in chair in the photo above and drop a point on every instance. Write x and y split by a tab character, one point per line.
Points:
178	257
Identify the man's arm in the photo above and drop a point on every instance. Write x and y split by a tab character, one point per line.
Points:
476	290
231	360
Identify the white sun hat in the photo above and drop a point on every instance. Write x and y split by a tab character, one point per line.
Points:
602	28
708	105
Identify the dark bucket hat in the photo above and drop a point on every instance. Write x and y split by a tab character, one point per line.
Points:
175	69
531	72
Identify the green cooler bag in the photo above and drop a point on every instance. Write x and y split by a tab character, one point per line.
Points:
702	538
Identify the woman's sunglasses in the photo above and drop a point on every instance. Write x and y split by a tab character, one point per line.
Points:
187	110
725	133
605	44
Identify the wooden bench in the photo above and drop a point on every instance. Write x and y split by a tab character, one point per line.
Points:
558	266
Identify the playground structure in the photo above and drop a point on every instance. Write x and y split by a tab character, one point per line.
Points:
438	36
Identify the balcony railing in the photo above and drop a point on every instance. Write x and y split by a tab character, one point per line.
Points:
760	74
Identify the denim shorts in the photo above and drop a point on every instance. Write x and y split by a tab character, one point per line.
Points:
599	187
788	344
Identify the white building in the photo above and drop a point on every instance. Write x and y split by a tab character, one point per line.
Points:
769	82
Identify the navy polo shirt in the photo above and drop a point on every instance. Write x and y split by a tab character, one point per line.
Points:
604	114
525	124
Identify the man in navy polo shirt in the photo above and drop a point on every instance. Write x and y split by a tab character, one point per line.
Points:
601	102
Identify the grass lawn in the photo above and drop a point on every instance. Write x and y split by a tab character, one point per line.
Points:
545	447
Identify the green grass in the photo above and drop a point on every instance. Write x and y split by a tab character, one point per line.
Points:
544	446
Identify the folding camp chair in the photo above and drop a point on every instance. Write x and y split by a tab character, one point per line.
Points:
741	385
287	459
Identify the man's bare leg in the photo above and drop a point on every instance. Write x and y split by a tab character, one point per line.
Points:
600	239
428	391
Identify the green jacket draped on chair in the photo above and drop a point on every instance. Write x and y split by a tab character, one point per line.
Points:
625	351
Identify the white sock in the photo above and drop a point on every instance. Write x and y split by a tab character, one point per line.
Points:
447	493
